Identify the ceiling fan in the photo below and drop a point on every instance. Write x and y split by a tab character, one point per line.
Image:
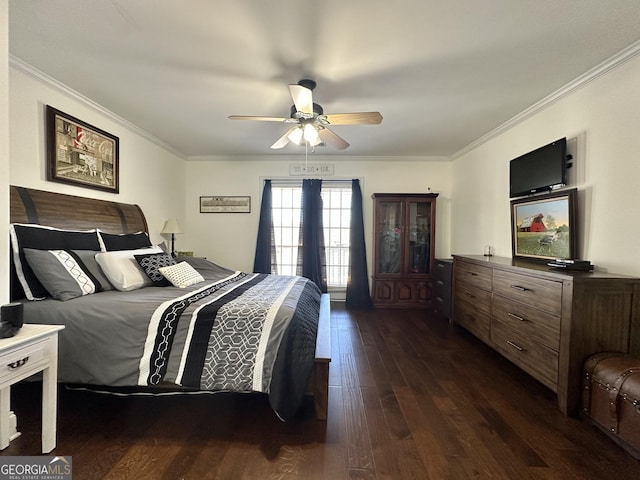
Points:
310	123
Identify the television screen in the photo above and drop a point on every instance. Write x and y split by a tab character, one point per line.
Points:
539	170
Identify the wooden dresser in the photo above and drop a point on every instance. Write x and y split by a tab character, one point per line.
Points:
546	321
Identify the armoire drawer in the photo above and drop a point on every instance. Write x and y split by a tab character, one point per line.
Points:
537	292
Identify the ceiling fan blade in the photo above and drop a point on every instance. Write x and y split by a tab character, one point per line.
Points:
355	118
260	119
283	140
302	98
330	138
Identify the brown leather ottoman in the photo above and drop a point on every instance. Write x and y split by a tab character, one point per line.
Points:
611	397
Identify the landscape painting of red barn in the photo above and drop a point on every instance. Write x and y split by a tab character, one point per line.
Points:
533	223
542	227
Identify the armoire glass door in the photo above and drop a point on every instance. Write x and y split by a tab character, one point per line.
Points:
390	237
419	237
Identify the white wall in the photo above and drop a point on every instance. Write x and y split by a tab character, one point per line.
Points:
150	175
4	151
230	239
601	119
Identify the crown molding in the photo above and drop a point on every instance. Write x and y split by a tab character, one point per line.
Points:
598	71
18	64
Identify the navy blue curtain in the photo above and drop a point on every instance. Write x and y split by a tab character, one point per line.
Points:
358	282
265	259
311	254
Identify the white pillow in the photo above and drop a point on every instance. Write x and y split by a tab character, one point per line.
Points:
181	275
122	269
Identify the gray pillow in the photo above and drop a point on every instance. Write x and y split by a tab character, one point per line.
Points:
62	273
88	258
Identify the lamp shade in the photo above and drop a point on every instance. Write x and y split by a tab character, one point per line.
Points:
296	136
171	226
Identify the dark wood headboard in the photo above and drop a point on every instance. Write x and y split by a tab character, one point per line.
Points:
59	210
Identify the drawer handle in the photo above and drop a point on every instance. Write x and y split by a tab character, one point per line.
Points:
469	295
473	274
517	317
440	283
18	363
515	345
521	289
439	265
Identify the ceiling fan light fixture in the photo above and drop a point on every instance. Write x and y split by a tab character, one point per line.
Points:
316	142
310	133
296	135
310	122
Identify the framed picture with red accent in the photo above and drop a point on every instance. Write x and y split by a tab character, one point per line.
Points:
543	227
80	154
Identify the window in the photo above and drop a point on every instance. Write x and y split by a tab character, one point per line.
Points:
336	219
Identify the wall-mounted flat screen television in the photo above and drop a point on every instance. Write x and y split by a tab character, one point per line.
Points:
539	171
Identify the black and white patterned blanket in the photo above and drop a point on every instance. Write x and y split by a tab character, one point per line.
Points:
234	331
245	333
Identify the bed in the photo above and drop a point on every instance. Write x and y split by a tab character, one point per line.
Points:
222	330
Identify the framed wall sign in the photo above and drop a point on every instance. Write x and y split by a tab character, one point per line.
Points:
233	204
543	227
80	154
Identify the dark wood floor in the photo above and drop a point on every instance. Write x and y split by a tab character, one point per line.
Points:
410	397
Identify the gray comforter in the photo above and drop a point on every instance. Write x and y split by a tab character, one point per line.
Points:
233	332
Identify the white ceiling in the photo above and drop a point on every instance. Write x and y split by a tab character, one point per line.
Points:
442	73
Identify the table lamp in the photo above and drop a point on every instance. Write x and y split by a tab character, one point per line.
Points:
171	226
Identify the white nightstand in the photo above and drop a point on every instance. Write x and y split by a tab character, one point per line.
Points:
33	349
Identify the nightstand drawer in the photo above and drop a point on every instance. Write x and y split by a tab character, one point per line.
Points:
14	362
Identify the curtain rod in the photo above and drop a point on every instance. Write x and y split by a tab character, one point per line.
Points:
299	179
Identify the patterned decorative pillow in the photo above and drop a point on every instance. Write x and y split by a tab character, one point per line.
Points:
181	275
42	237
88	258
150	263
62	273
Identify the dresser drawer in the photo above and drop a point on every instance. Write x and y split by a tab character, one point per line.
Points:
542	326
14	362
480	299
442	270
474	320
533	357
537	292
472	274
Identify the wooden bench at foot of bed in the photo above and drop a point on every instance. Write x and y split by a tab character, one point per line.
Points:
319	381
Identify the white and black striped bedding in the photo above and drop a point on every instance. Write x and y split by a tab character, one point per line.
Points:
234	332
